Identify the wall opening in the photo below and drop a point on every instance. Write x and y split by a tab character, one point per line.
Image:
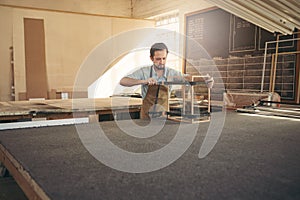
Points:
108	84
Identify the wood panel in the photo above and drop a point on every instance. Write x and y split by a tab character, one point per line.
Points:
67	108
35	58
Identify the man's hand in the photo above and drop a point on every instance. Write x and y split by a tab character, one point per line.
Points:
151	81
209	81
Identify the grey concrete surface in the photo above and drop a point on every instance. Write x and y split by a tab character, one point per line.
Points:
255	158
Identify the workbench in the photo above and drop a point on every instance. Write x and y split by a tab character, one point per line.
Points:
255	158
67	108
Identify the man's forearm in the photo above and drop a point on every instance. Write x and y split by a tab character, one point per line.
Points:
126	81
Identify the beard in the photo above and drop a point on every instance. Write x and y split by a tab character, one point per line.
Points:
159	67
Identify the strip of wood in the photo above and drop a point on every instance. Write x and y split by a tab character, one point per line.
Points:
31	189
62	109
73	12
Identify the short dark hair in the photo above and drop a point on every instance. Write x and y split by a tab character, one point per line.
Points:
158	47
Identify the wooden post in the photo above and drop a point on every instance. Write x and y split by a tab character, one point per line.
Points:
274	66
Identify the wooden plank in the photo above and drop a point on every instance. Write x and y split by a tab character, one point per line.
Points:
268	113
239	99
67	108
35	58
31	189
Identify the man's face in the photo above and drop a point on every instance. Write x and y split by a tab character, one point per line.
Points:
159	59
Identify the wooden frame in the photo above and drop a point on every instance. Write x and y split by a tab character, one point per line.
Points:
31	189
191	100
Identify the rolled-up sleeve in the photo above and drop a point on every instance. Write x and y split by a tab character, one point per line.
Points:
140	74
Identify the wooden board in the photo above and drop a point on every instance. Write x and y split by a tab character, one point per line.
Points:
35	58
67	108
22	177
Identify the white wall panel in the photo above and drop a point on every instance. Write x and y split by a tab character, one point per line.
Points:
5	44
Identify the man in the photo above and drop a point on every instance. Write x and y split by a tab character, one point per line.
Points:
158	72
151	75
